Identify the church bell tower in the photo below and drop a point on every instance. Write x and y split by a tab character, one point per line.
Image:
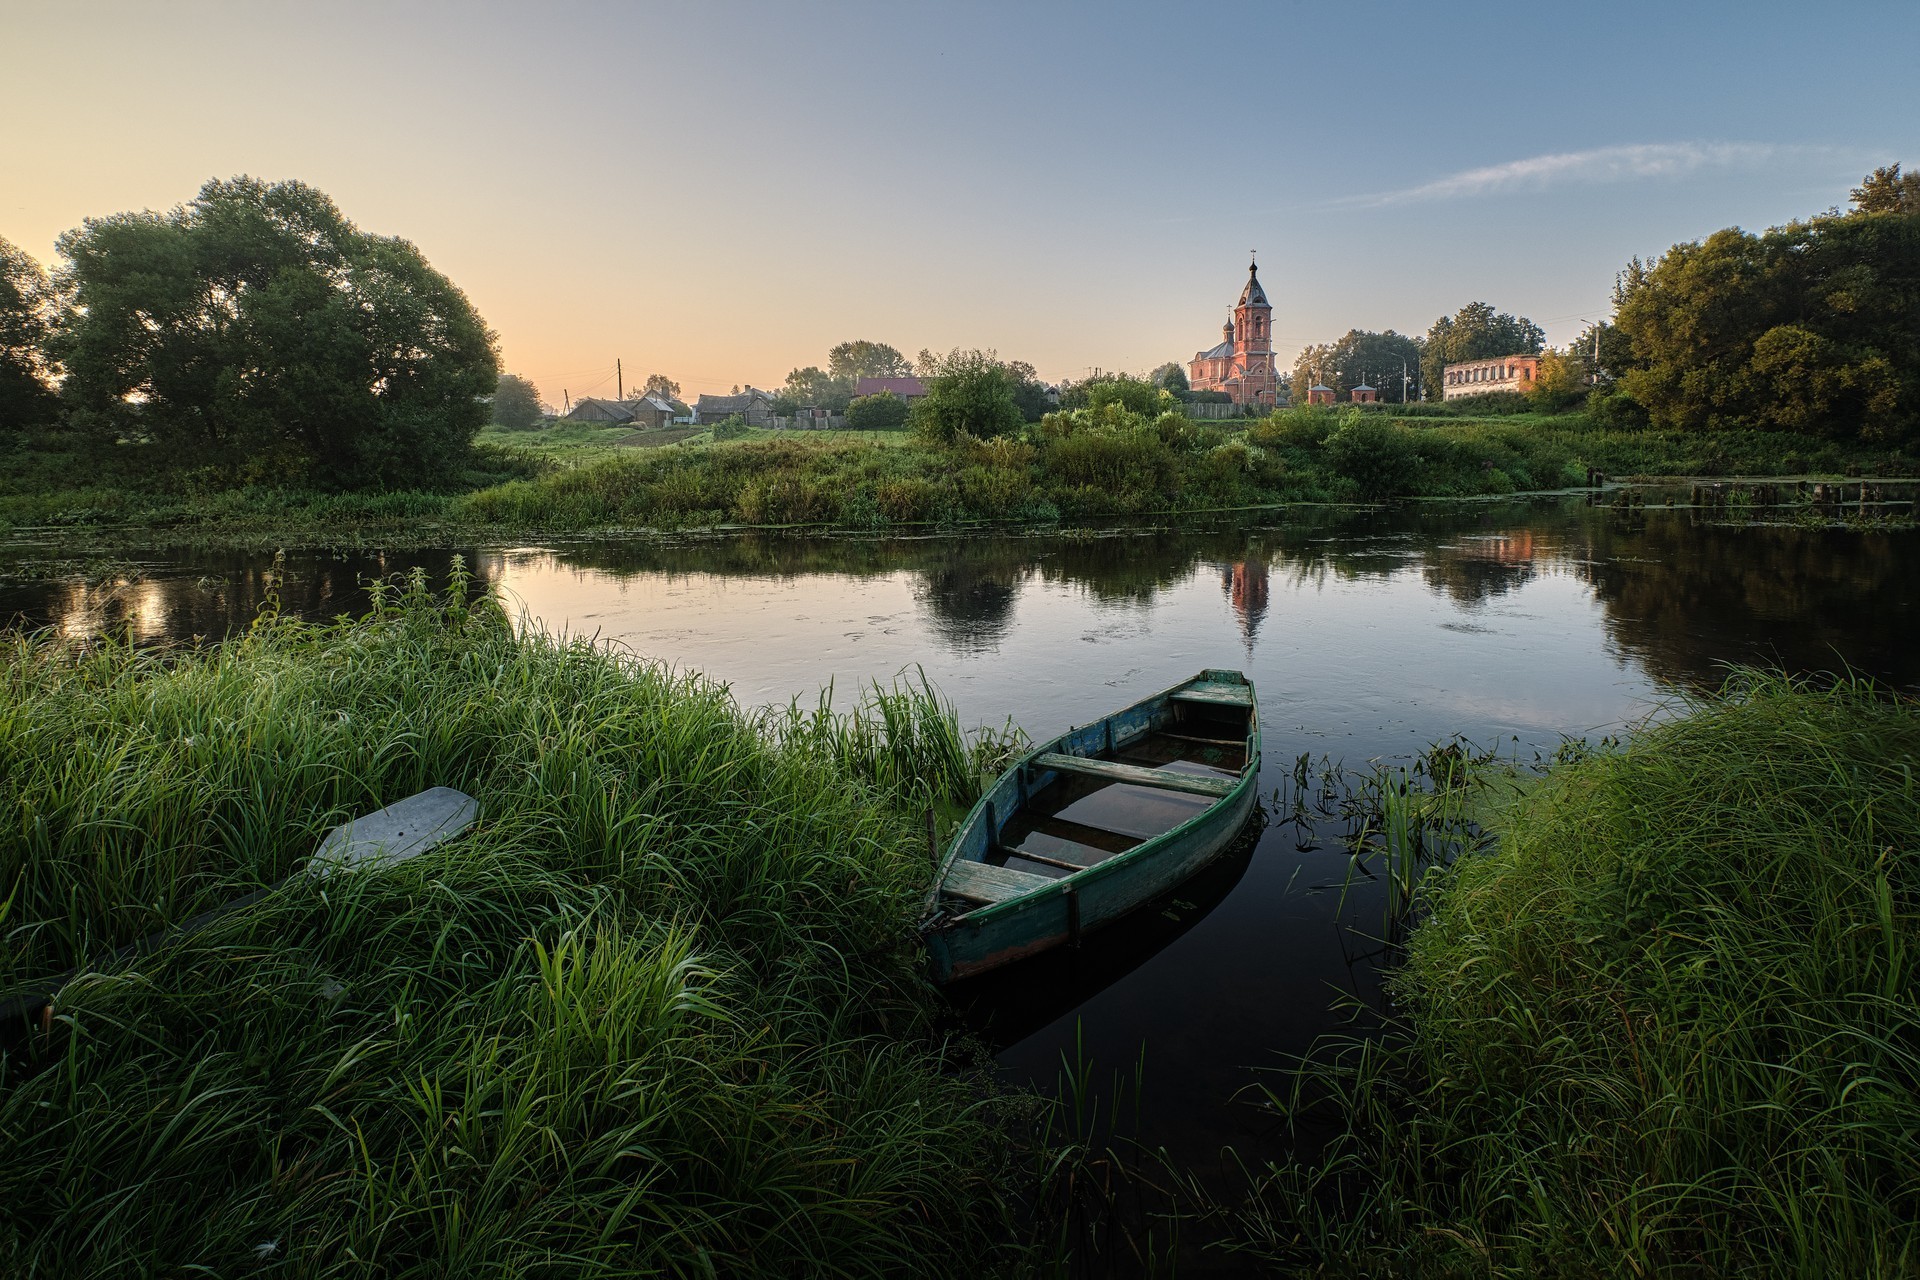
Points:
1253	340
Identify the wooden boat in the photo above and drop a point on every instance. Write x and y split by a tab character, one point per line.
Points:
1086	827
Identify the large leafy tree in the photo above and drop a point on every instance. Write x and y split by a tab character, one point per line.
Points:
860	358
1171	376
1476	332
516	403
1887	190
969	393
26	325
259	331
1812	327
814	387
659	384
1376	358
1029	393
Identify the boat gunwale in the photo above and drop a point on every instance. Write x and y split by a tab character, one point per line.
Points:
1106	866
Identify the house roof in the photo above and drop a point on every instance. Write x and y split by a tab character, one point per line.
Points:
614	407
656	402
744	400
1215	353
905	388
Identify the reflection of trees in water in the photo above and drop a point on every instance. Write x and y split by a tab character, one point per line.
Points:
1679	597
1684	597
210	594
1469	570
971	606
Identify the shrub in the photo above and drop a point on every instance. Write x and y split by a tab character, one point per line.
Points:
1381	458
733	428
1491	404
970	393
908	500
882	412
1304	426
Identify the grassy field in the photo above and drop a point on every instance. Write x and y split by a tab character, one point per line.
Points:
1087	465
658	1014
1669	1028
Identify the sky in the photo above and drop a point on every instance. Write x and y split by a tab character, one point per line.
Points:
721	191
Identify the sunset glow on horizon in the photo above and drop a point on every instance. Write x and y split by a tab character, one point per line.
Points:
720	192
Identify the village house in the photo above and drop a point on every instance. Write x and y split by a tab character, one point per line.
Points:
1242	364
1479	377
647	411
754	405
612	412
908	389
652	411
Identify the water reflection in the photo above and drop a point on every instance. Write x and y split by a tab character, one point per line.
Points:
1247	590
1676	597
168	595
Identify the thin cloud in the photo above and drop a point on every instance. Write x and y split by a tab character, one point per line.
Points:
1600	165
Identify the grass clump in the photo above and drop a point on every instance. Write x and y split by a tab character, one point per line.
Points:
658	1014
1670	1028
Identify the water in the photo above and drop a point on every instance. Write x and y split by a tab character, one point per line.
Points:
1368	635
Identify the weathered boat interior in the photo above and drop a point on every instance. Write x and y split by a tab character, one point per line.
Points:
1167	766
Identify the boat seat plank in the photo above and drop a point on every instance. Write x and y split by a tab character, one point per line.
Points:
1114	771
1210	742
979	882
1091	838
1044	859
1216	696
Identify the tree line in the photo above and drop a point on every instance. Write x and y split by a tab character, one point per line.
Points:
255	333
1812	328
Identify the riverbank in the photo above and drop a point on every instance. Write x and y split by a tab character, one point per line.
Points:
660	1011
1667	1029
1090	465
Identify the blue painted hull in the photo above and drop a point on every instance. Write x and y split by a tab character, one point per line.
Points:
964	942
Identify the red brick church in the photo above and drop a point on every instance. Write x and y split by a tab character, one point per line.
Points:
1242	366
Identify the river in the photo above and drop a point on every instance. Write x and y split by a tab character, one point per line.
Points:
1368	634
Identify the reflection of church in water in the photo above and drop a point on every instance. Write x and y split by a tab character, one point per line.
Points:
1245	582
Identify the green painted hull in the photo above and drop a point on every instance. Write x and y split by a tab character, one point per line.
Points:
960	944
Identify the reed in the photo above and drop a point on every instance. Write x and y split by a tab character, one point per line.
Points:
656	1014
906	740
1668	1028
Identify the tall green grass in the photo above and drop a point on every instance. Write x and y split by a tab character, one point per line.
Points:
1670	1028
659	1013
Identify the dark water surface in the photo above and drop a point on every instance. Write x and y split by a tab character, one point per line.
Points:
1367	635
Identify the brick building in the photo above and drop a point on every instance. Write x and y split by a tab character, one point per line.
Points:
1478	377
1242	365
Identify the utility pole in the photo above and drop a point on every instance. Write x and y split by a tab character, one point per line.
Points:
566	399
619	383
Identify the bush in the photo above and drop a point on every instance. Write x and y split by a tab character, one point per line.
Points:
733	428
882	412
1615	408
1491	404
971	393
1381	458
1304	426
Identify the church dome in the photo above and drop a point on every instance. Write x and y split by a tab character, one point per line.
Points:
1253	295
